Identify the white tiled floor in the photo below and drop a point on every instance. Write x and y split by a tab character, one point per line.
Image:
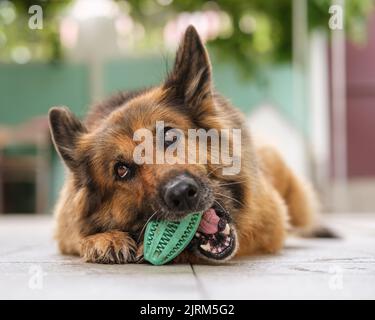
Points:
30	267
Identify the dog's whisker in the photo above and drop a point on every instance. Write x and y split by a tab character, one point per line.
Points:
223	195
220	205
228	184
217	168
196	205
144	226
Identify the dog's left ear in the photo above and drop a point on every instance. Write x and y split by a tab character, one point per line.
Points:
190	79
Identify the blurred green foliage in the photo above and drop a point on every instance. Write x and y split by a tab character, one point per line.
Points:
269	41
17	38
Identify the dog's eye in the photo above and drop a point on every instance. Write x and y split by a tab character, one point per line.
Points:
170	136
121	170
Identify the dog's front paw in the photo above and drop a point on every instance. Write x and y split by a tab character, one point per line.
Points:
108	247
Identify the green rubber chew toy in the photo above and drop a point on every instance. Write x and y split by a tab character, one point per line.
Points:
165	240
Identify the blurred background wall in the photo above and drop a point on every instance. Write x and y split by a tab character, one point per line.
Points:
306	86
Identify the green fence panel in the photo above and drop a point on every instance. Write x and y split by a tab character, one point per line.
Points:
274	84
30	90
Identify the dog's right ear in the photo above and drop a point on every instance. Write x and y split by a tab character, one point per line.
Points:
65	128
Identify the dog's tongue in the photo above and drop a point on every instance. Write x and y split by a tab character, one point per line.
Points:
209	222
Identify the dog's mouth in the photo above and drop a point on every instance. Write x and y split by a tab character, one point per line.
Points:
216	238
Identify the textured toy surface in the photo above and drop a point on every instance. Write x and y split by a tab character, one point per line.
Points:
165	240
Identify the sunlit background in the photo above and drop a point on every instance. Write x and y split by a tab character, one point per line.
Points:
304	87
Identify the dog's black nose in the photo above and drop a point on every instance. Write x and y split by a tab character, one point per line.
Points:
181	193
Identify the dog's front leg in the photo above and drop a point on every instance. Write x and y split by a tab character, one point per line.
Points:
111	247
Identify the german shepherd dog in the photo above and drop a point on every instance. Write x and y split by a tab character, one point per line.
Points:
107	199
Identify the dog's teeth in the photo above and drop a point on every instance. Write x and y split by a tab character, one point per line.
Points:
197	234
206	247
227	230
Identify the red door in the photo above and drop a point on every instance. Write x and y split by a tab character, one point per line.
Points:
360	66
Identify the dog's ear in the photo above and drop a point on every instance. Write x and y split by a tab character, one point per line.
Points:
190	79
65	128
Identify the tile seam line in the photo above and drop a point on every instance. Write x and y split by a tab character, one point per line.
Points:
202	290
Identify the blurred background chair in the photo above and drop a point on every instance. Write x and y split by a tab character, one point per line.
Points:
25	167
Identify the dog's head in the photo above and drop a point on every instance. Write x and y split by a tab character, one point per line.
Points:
124	194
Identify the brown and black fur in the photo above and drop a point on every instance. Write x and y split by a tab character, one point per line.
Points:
101	218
